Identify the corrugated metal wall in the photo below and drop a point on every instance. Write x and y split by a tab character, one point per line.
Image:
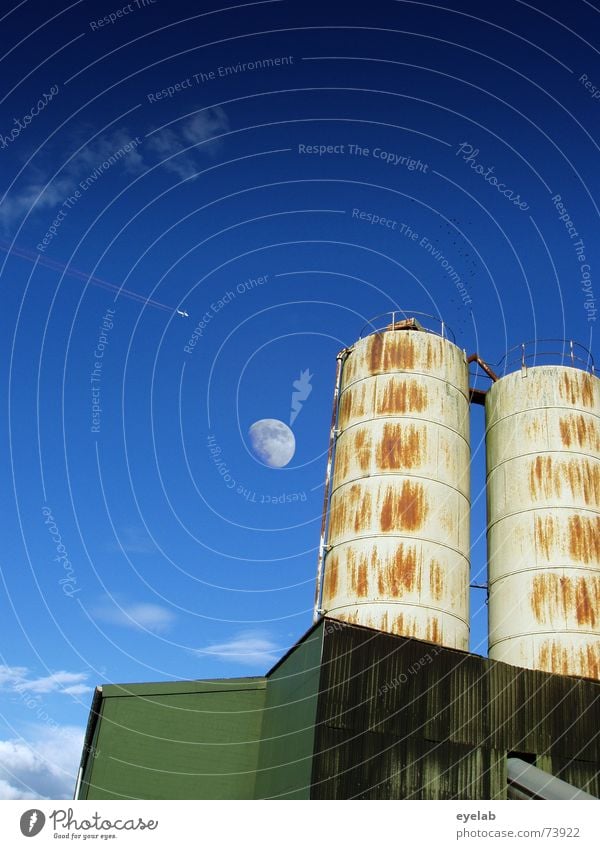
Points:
400	718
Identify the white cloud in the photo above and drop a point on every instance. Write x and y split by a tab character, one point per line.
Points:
77	690
17	204
18	679
165	143
205	125
7	791
56	681
152	617
102	148
10	674
20	201
134	540
169	143
252	648
44	767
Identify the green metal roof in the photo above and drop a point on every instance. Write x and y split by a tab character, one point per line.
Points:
168	688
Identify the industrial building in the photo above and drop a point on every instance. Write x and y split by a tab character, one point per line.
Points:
381	699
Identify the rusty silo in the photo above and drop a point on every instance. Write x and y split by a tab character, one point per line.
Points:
397	552
543	489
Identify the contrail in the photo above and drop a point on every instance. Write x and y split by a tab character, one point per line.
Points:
55	265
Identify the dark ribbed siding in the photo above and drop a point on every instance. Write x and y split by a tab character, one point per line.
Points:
403	719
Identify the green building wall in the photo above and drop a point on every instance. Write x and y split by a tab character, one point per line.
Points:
234	738
183	740
288	735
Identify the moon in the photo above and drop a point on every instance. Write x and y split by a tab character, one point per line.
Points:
273	442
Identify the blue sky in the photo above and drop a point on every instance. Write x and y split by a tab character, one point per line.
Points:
217	160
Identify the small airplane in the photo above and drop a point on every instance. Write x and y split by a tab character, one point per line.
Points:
56	265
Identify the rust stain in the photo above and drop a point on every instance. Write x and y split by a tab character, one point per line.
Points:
591	662
555	658
410	627
387	511
560	659
534	428
362	581
404	628
587	600
362	448
401	447
399	351
583	479
402	396
340	509
351	509
376	570
351	568
434	632
435	353
399	574
342	462
345	408
584	538
577	389
390	351
554	595
436	580
331	577
413	505
539	472
362	513
353	404
381	582
544	534
578	430
405	509
335	518
549	478
551	596
405	568
375	353
358	569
